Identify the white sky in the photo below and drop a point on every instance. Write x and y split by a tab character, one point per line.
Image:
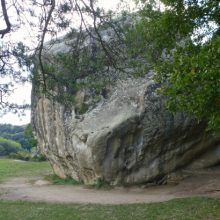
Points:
22	93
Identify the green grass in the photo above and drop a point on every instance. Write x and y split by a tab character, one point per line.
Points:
178	209
12	168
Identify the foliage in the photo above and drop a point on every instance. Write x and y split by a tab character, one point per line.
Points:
182	44
10	129
17	134
18	142
8	146
177	209
28	133
58	181
194	76
45	20
21	155
27	156
12	168
91	63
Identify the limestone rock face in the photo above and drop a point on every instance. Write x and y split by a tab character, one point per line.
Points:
127	138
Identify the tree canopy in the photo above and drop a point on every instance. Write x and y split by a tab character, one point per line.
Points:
47	21
182	45
178	39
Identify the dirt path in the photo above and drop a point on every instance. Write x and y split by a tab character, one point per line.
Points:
206	183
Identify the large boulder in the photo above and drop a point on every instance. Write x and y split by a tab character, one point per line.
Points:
128	137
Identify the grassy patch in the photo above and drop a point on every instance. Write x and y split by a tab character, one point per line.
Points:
58	181
13	168
178	209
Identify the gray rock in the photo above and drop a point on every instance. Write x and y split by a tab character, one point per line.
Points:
127	138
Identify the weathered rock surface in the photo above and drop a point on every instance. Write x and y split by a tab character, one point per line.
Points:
127	138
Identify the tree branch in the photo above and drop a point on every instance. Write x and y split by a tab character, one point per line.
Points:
47	21
6	19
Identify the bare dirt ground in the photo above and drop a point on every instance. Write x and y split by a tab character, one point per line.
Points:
203	183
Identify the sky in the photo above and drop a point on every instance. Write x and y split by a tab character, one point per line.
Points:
22	93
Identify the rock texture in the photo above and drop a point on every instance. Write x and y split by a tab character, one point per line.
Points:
127	138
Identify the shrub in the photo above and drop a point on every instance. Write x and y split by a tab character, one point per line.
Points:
27	156
8	146
21	155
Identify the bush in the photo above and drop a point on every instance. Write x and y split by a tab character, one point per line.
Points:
21	155
8	146
27	156
36	155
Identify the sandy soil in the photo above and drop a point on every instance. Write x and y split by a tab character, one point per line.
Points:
203	183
